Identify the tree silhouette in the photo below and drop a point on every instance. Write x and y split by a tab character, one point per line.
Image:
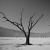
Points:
20	25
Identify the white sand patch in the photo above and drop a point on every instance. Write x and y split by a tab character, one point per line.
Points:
12	43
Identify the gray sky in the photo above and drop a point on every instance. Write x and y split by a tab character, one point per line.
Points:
13	8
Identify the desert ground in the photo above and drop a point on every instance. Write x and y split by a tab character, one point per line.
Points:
14	43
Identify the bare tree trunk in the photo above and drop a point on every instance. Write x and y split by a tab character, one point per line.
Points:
28	39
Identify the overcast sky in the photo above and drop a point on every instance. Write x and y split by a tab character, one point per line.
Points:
13	8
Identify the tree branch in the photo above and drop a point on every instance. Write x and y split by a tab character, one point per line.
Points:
32	16
21	17
21	21
30	21
15	23
36	21
2	14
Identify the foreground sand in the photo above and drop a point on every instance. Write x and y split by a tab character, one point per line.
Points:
12	43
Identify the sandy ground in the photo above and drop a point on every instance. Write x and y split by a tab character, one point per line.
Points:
13	43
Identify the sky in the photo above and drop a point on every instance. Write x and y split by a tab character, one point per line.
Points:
13	8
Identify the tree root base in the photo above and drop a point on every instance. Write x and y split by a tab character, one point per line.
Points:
26	44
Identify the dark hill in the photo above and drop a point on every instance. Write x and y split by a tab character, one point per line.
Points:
5	32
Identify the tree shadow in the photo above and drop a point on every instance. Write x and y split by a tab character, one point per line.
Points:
21	45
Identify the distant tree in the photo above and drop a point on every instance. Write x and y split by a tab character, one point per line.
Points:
49	25
20	25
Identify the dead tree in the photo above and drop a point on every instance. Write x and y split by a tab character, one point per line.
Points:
20	25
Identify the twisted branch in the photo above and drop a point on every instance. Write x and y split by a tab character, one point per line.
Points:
15	23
